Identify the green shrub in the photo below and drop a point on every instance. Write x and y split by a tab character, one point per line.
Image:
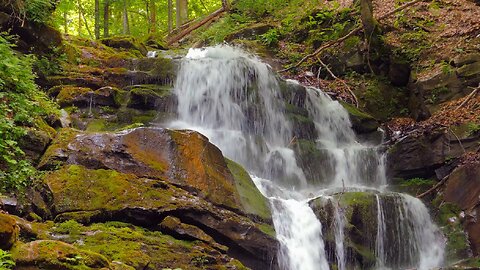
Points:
21	104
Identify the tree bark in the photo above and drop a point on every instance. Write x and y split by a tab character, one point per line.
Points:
126	26
65	21
153	17
366	13
81	15
97	19
106	17
182	12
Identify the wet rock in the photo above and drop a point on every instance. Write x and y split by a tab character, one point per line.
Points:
152	97
159	70
360	227
361	121
252	201
47	254
8	231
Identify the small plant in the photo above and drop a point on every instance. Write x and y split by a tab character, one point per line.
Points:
6	261
270	38
473	128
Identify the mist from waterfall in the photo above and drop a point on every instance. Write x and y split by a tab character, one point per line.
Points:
235	100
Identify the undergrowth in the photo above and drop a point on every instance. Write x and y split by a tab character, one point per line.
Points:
22	106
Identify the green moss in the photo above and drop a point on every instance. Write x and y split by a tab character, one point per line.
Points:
268	229
104	189
138	247
253	202
61	141
47	254
97	125
355	111
68	94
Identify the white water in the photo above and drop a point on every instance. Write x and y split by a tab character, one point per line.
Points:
234	99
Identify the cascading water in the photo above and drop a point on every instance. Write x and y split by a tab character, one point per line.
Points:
235	100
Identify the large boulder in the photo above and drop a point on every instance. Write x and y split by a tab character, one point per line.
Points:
184	158
49	254
423	152
98	195
143	175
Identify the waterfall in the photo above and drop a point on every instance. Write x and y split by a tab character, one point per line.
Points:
235	100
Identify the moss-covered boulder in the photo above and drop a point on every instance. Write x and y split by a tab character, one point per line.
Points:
88	195
253	202
185	158
125	43
86	97
8	231
159	70
49	254
152	97
359	211
361	121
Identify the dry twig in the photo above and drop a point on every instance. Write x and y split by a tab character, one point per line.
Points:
355	100
472	94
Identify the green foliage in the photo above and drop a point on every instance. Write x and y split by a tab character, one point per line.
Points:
50	64
226	26
39	11
6	261
21	103
258	8
270	38
473	128
418	182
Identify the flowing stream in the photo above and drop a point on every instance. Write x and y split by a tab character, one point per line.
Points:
235	100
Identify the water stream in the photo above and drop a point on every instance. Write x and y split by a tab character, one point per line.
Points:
235	100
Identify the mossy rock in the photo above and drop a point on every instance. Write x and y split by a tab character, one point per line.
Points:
49	254
125	42
149	97
131	246
55	154
98	195
8	231
361	121
253	202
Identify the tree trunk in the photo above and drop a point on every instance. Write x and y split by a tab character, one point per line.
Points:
126	26
65	22
106	17
81	15
153	17
182	12
79	21
366	12
97	19
170	16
